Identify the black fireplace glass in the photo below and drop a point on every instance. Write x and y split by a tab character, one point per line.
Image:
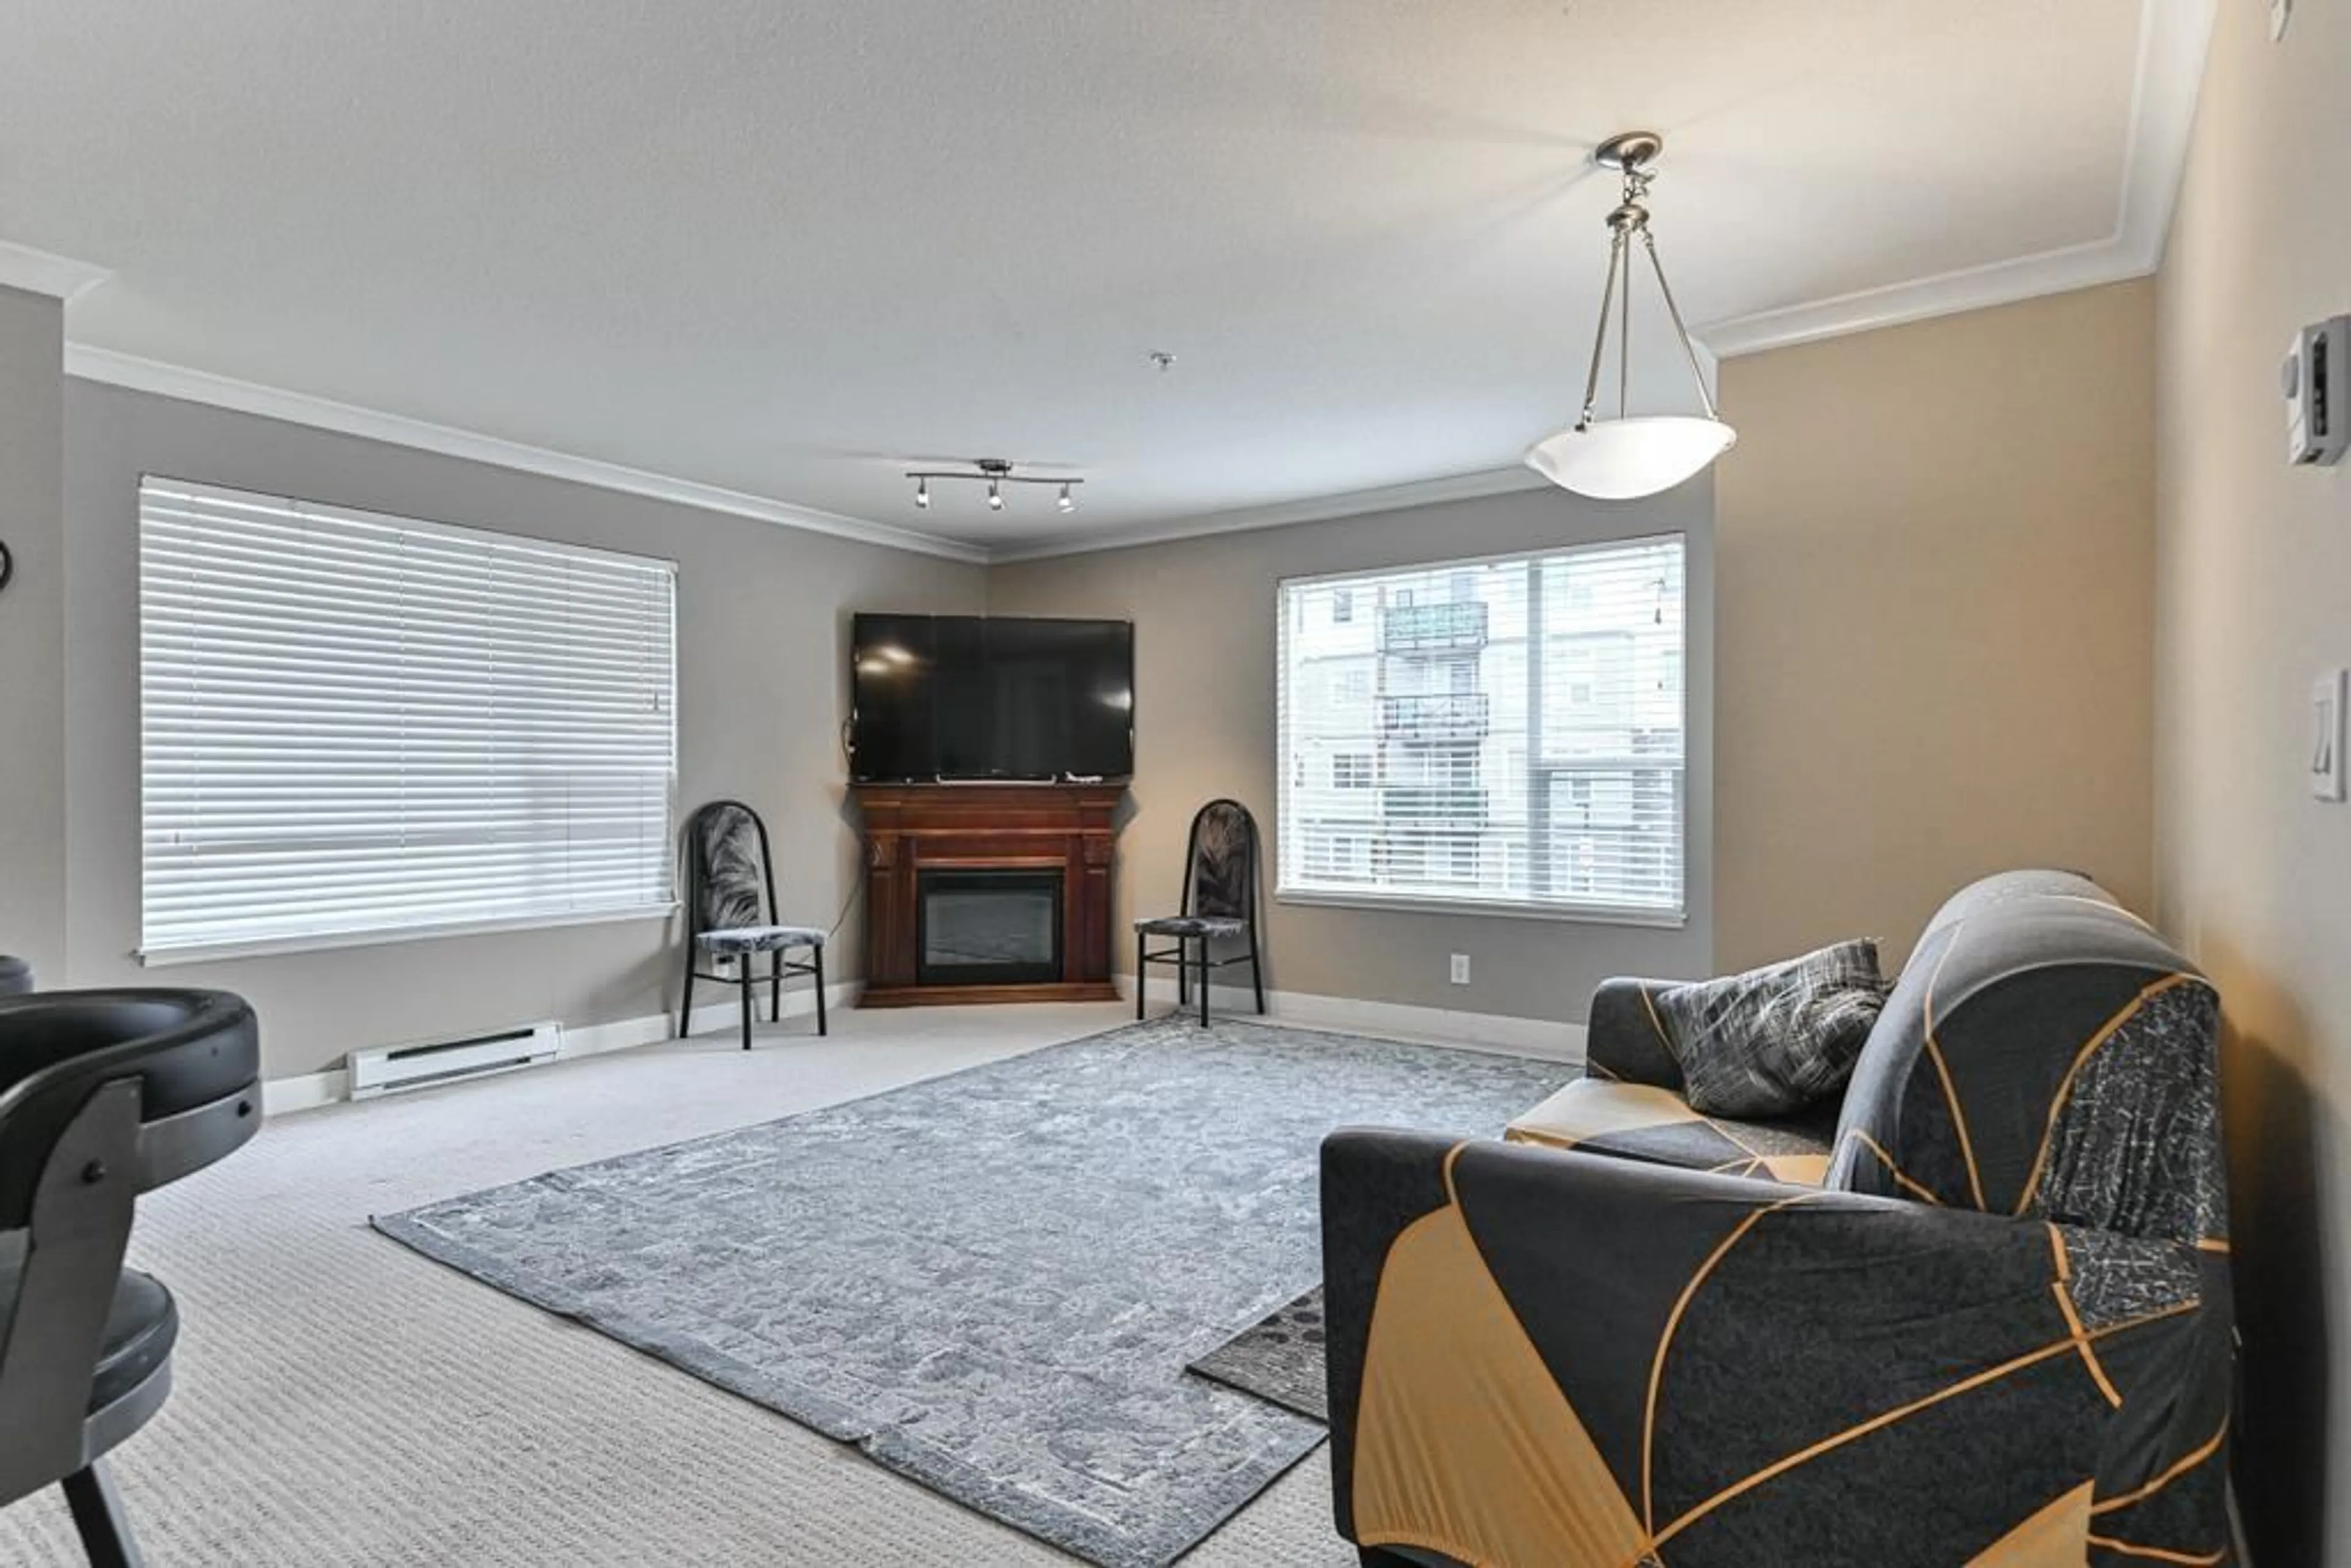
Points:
987	927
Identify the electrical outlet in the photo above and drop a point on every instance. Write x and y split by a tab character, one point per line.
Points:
1460	968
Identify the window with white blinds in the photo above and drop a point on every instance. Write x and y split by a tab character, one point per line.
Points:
1502	734
358	726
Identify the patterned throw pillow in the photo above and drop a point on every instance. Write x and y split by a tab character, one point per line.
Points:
1774	1041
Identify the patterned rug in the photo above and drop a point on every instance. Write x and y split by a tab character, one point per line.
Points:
992	1281
1278	1358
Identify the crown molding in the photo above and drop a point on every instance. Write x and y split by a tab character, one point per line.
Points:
1920	300
2173	39
138	374
2175	42
62	277
1313	509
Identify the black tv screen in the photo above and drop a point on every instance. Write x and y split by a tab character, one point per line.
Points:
969	696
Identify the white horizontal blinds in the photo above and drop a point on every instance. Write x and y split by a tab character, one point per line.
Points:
356	724
1505	731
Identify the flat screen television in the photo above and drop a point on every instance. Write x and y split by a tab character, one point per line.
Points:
972	697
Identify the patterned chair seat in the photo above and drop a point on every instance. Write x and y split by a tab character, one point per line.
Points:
758	938
1193	926
1643	1122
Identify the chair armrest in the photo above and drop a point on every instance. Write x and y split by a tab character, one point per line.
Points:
1625	1041
1538	1356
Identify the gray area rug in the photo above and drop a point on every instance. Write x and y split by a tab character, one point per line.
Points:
1278	1358
992	1281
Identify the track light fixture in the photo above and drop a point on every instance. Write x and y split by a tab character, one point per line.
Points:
996	472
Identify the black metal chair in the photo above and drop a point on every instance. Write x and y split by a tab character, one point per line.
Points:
103	1095
729	873
1220	877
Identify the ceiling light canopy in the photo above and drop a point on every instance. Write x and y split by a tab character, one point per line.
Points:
1631	455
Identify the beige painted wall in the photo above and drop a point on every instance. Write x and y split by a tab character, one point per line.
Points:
2253	600
762	619
1204	611
32	634
1935	545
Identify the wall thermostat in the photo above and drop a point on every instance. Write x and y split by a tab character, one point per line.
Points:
2314	377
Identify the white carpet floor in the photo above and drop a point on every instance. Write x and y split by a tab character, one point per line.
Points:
342	1401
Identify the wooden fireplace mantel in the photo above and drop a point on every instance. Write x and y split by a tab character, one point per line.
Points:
989	827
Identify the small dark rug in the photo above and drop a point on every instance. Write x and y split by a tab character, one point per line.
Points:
992	1283
1278	1359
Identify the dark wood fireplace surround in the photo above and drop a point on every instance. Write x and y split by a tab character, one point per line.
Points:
987	827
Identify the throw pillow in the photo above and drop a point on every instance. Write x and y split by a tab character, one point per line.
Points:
1774	1041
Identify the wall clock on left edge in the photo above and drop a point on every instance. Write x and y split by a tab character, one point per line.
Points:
7	565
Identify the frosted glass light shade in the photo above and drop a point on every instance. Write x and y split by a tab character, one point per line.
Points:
1623	459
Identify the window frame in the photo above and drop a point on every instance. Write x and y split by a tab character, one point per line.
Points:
212	951
1567	912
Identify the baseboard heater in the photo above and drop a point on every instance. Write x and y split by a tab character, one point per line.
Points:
382	1072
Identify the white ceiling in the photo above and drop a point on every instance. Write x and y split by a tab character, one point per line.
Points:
786	251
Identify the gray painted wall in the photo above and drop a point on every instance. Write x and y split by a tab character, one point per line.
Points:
32	635
763	622
1204	648
763	617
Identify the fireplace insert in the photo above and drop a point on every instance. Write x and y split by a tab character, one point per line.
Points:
987	927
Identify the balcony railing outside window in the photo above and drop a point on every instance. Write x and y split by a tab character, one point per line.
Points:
1447	807
1451	627
1437	717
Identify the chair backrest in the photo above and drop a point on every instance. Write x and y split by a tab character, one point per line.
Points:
194	1055
16	976
2044	1053
1220	878
103	1095
731	882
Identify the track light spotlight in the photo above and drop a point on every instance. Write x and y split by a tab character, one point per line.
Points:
923	494
995	496
1069	503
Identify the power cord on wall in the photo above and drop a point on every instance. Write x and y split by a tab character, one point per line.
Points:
856	889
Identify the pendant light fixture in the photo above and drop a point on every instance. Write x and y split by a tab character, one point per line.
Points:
1632	455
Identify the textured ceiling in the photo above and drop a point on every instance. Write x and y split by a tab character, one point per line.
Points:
788	249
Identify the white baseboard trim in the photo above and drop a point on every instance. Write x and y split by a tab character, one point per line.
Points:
284	1096
1543	1038
308	1090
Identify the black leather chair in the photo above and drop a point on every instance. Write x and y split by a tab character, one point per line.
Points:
1220	875
16	976
103	1095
